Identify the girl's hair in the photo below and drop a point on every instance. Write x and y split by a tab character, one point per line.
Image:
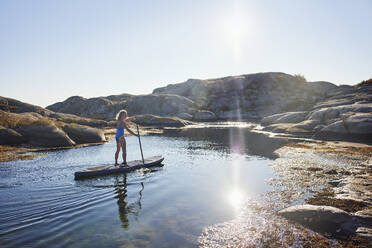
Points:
120	114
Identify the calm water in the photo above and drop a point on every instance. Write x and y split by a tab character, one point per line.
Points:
207	173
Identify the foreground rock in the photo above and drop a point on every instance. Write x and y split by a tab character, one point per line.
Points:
34	129
15	106
323	219
82	134
345	115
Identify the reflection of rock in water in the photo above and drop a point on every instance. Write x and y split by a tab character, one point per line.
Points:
235	139
125	208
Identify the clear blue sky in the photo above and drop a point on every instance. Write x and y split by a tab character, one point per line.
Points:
50	50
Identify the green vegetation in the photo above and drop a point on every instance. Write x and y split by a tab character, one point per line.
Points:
300	78
364	83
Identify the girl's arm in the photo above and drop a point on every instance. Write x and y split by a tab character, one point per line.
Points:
130	131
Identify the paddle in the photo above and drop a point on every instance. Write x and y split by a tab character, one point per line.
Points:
139	139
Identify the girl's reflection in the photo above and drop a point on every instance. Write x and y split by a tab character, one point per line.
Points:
125	208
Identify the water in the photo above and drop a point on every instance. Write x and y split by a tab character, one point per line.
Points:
207	175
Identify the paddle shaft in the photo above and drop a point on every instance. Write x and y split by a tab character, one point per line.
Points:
139	139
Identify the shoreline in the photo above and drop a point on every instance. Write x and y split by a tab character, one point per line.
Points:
316	172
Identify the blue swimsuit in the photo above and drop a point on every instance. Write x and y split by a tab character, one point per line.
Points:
119	133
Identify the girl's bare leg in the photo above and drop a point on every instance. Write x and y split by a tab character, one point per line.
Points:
118	145
123	144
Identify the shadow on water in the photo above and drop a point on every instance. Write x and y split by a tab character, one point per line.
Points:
233	139
125	208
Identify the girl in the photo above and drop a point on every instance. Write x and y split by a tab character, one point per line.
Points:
122	118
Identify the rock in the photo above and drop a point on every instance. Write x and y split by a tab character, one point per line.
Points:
205	116
260	93
83	134
331	114
365	232
45	135
34	129
334	183
236	115
308	125
321	87
364	217
331	172
158	121
70	118
287	128
106	108
10	137
356	126
194	89
159	104
15	106
184	116
97	108
323	219
288	117
344	114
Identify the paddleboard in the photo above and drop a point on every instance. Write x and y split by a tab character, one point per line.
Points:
112	169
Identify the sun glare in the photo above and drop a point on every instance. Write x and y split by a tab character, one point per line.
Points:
236	198
236	27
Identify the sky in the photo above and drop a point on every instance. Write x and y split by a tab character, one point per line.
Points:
51	50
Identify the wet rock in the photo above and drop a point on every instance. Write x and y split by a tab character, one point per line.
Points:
323	219
365	216
365	220
365	232
334	183
331	172
314	169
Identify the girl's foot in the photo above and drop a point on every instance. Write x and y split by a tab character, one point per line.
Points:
116	164
124	164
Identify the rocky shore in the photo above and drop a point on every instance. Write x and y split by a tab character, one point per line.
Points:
306	127
333	182
281	102
321	197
